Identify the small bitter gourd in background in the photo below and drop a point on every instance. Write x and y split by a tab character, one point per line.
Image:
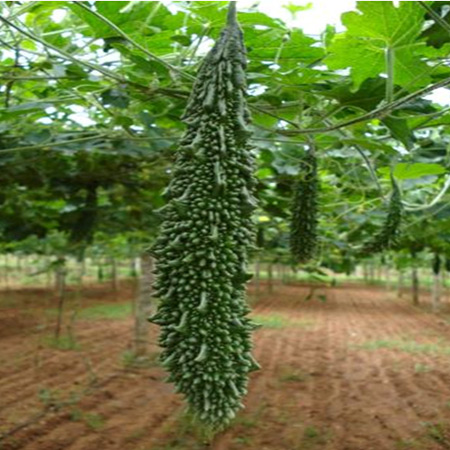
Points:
303	230
205	236
260	238
387	237
86	218
436	266
447	263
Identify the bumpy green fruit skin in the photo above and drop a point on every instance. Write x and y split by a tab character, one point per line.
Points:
205	236
303	237
387	237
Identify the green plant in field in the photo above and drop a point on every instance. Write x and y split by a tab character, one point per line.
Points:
312	295
314	437
76	415
422	368
271	321
311	432
290	374
94	420
131	360
248	421
63	342
187	432
243	440
438	432
409	346
177	444
280	321
12	443
50	397
110	311
136	434
203	245
408	444
254	418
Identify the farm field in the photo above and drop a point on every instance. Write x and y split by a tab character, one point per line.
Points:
352	368
225	225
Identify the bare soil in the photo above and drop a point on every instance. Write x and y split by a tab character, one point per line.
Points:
352	368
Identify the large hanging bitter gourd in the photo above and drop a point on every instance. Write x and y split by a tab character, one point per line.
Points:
303	233
204	239
387	237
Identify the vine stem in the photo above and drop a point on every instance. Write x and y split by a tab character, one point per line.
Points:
92	66
31	77
376	113
368	164
437	199
82	139
435	16
390	59
50	144
66	55
232	14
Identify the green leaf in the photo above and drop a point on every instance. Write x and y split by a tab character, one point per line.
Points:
265	172
376	27
147	66
294	9
134	18
369	144
437	35
382	21
182	39
399	130
353	53
115	97
256	18
160	43
288	51
214	12
38	136
409	171
367	97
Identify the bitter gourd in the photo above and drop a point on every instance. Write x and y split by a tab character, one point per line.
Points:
387	237
303	230
206	233
86	218
436	264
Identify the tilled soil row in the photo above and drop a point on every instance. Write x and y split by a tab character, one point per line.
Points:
335	376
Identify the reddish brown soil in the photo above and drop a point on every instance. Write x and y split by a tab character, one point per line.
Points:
328	381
